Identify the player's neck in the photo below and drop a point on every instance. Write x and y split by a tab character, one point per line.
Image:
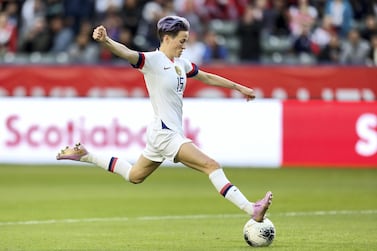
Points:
167	53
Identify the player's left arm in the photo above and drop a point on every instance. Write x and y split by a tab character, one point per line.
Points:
216	80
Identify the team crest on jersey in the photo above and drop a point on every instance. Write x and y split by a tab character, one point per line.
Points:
178	70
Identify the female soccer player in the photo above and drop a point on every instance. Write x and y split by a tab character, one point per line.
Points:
165	75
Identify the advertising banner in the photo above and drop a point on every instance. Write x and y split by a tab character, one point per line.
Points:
332	134
232	131
283	82
262	133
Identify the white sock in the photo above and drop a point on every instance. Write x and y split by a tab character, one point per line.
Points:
112	164
229	191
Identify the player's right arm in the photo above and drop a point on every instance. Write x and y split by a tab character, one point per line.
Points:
100	35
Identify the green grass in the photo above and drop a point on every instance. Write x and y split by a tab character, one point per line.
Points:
86	208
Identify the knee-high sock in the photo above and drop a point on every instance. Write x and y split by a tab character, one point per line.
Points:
113	164
229	191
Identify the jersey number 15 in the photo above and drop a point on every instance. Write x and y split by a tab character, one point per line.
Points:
180	84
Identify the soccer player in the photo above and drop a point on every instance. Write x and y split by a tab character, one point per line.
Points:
165	75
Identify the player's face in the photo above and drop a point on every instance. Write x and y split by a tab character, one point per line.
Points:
178	44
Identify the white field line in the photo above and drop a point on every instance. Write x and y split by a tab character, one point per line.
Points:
182	217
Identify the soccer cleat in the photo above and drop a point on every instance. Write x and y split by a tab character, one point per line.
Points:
72	153
260	207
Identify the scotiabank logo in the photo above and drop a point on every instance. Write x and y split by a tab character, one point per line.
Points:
114	134
366	129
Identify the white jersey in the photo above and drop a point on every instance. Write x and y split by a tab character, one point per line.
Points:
166	82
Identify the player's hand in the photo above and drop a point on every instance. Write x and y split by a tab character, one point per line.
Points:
248	92
100	34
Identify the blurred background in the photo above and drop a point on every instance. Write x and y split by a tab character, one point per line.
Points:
311	63
339	32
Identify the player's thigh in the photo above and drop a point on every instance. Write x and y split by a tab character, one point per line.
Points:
190	155
142	169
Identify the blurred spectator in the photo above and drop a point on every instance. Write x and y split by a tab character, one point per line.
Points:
355	50
103	6
341	14
372	7
372	57
193	11
302	15
370	27
259	9
146	33
215	50
83	50
152	10
31	10
54	8
330	54
77	12
113	23
360	8
303	43
12	9
277	19
37	38
8	35
168	8
322	34
194	49
225	9
62	36
320	6
127	39
249	31
86	28
131	15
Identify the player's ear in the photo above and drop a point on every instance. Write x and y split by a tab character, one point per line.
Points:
166	38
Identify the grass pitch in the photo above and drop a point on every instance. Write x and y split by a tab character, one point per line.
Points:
177	209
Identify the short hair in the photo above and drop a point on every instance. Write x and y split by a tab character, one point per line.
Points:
171	25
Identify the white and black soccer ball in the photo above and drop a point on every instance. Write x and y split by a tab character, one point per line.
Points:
259	234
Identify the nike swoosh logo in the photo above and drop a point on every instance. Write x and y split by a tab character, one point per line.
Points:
166	68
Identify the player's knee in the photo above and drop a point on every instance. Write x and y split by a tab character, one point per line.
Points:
135	179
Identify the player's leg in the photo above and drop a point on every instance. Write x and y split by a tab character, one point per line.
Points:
133	173
142	169
191	156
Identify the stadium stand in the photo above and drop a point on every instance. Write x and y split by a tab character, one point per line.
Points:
59	31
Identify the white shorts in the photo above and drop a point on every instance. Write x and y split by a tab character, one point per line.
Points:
163	144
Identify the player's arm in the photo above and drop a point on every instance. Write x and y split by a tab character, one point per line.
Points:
100	35
216	80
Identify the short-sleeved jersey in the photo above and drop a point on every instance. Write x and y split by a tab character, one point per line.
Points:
166	81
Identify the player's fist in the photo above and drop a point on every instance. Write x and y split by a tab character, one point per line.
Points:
100	34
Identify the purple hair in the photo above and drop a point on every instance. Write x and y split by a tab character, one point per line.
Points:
171	25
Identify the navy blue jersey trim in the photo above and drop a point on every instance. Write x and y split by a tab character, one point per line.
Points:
193	72
163	126
140	61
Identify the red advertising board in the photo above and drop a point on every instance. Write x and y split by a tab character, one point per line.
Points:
284	82
322	133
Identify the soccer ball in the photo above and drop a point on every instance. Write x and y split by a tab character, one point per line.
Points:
259	234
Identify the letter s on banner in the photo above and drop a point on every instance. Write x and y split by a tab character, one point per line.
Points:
12	131
366	129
